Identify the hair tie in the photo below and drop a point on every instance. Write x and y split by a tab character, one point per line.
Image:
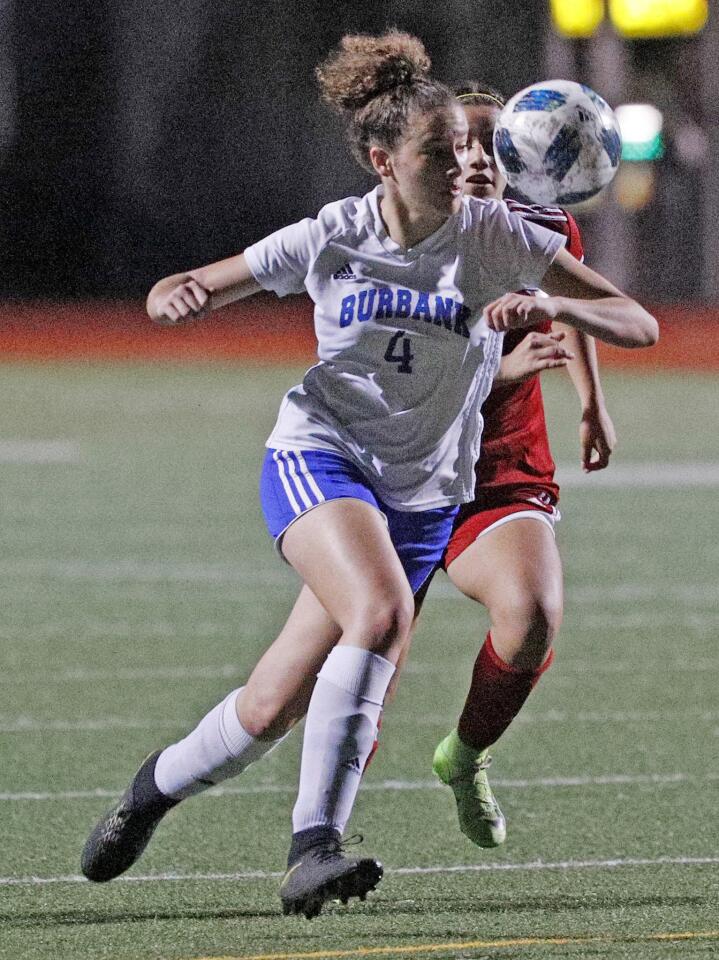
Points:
482	96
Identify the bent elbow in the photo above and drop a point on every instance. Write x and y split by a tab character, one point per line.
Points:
150	304
649	332
643	331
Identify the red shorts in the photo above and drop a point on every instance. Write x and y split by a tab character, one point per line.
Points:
474	526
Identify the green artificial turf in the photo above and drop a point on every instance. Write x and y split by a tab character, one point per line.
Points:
139	586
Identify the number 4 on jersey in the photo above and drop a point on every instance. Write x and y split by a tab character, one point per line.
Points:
403	356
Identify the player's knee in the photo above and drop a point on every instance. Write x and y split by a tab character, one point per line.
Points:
383	624
545	619
541	632
265	716
529	623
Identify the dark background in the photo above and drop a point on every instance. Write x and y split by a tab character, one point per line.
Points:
138	139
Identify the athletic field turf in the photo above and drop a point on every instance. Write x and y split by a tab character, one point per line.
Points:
138	587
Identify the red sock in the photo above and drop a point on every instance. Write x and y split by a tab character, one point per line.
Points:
495	697
375	745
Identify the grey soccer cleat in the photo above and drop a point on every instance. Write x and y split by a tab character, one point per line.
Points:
120	837
318	871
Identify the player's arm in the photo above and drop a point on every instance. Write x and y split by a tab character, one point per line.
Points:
534	353
597	437
190	296
580	298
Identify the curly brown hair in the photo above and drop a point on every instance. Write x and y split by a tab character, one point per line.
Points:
375	82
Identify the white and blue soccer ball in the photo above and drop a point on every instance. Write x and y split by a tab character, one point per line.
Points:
557	142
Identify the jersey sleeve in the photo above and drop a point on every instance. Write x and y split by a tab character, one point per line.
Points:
553	218
280	262
526	249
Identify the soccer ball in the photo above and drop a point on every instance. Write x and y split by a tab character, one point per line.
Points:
557	142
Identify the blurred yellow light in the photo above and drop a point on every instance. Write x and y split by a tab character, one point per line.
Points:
634	185
577	18
658	18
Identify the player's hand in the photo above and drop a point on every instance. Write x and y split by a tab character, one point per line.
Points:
513	311
597	438
534	353
183	303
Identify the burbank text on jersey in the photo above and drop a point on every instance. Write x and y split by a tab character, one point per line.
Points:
383	303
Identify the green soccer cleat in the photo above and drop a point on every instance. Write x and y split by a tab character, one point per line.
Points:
465	770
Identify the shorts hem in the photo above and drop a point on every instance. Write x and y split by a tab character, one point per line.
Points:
521	515
278	539
547	516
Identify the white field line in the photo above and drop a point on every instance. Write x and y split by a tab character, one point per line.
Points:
647	474
32	725
26	724
702	594
133	674
699	593
94	628
564	670
150	571
530	867
586	716
39	451
390	786
650	619
571	668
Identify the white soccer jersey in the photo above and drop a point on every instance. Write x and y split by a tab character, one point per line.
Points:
406	359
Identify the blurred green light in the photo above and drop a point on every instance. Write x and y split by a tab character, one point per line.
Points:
641	128
642	150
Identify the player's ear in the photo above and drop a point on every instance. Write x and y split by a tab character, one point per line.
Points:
381	161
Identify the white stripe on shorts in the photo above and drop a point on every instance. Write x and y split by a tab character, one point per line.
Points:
296	480
549	519
310	479
288	490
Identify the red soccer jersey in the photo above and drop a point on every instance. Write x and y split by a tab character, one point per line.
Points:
515	461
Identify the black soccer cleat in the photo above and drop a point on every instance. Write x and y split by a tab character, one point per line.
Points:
120	837
318	871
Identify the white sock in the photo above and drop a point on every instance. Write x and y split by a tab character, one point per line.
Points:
218	748
340	729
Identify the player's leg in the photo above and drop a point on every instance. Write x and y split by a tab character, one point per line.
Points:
376	623
275	696
344	553
222	745
239	730
419	598
364	567
514	569
277	692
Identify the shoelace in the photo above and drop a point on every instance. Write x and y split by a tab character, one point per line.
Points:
330	850
483	790
476	767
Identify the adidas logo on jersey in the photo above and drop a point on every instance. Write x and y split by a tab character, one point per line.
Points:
345	273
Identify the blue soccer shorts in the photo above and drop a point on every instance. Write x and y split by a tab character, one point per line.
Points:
294	482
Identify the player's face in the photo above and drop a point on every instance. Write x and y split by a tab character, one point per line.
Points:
429	164
483	178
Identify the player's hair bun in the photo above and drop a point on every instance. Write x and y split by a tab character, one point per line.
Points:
377	83
364	67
